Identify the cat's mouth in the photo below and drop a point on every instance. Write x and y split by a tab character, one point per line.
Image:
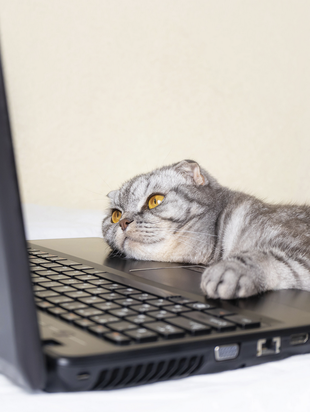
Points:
140	240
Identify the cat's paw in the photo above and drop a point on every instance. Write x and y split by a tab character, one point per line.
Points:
228	280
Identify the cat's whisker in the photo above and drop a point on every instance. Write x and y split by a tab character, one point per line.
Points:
183	231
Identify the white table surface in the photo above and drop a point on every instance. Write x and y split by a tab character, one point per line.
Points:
276	386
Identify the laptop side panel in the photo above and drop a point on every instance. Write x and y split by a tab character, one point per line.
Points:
21	357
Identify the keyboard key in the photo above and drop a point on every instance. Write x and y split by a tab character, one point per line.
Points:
142	335
107	306
111	296
73	305
122	312
51	284
46	255
58	277
35	268
219	312
68	262
56	258
158	302
114	286
69	316
192	327
143	307
127	291
165	330
221	325
181	300
45	294
86	277
74	272
63	269
82	285
103	319
82	267
176	308
93	271
127	302
38	288
96	291
59	299
117	337
138	319
56	310
98	329
84	323
39	280
50	265
161	314
63	289
99	282
86	313
244	321
77	294
121	326
46	272
70	281
37	261
199	306
44	305
143	296
91	300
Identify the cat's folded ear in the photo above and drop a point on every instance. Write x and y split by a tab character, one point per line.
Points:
111	195
192	169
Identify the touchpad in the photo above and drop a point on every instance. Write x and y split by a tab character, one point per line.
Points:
177	275
187	279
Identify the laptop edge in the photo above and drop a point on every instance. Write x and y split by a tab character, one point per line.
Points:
21	357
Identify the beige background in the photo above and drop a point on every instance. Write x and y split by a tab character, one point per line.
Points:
100	90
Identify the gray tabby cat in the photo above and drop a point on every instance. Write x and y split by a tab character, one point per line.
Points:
180	213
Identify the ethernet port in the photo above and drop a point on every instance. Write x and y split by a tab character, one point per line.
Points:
269	346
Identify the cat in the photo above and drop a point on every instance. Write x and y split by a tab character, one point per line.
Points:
180	213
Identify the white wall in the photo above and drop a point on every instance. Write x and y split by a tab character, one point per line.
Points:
101	90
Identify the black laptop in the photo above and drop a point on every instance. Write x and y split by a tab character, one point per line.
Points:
74	318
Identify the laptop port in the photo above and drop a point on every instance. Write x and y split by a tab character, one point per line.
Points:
299	339
226	352
270	346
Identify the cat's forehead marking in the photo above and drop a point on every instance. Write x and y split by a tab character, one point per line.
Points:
133	194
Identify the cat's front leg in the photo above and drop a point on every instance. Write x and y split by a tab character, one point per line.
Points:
232	278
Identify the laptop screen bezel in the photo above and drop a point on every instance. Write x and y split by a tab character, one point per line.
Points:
21	356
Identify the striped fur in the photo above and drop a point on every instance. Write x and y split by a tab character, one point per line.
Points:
247	245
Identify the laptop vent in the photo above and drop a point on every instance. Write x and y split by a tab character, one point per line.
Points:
147	373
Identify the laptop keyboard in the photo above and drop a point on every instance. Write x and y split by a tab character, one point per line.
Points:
83	296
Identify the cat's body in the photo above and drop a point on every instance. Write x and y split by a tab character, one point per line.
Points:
248	245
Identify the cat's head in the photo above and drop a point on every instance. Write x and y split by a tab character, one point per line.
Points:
162	215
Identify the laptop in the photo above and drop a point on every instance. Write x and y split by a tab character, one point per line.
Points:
74	318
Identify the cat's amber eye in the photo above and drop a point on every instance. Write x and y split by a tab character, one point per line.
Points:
116	215
155	201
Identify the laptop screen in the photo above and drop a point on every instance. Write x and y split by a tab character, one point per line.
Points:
21	356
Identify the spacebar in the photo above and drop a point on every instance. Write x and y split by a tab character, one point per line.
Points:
220	325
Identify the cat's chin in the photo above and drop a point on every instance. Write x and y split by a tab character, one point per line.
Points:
136	250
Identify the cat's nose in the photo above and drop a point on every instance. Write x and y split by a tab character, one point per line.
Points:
124	223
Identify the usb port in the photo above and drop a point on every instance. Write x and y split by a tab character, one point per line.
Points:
299	339
270	346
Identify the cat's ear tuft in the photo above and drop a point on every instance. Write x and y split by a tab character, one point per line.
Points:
111	195
192	169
